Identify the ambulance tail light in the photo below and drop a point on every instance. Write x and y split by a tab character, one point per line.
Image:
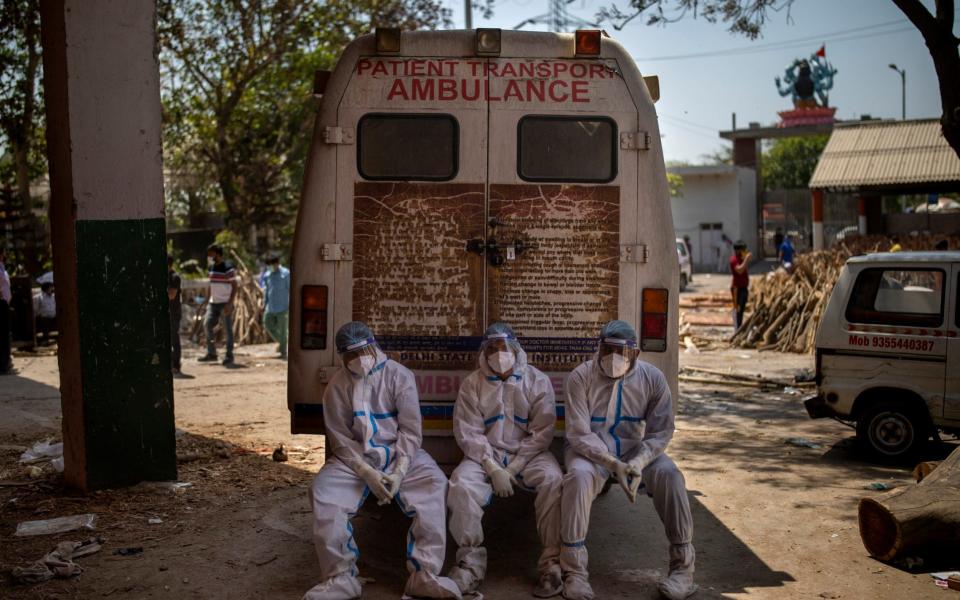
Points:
488	42
653	320
313	317
388	40
587	42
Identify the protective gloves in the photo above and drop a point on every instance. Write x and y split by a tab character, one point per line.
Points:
622	472
373	479
499	478
392	479
514	469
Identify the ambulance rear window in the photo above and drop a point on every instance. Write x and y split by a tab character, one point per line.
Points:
571	149
407	147
911	297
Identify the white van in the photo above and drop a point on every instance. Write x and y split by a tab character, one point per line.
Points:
888	350
459	178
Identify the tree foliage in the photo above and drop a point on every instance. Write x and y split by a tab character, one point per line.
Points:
236	86
745	17
789	163
21	101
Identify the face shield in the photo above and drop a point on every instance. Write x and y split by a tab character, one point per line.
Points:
360	357
499	350
617	356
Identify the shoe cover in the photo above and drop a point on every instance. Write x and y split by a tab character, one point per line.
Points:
576	587
467	582
340	587
421	584
550	584
679	583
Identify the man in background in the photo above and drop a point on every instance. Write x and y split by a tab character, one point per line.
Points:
785	253
176	315
739	286
276	295
45	311
223	291
6	364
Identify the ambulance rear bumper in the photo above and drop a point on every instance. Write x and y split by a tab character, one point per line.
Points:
817	408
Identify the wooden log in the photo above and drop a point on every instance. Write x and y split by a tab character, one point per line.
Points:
916	518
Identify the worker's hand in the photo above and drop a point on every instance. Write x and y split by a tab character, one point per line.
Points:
393	479
747	257
514	469
621	471
499	478
374	480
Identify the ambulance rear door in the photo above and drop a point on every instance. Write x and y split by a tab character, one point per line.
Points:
415	199
562	201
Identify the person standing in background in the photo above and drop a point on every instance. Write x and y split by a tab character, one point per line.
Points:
223	291
895	244
785	253
276	295
176	314
45	311
6	364
739	286
777	239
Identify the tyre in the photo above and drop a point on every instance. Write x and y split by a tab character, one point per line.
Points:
892	430
683	282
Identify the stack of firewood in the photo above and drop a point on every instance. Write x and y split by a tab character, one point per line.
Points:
785	309
247	311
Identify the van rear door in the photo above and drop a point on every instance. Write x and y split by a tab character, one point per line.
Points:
951	398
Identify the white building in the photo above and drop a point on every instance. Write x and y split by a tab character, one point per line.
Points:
716	200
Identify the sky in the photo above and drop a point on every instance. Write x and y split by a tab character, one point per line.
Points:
699	93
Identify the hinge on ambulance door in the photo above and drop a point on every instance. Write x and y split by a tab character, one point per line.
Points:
635	140
336	252
338	135
633	253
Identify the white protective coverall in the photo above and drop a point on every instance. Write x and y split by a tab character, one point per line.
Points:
511	422
620	419
376	419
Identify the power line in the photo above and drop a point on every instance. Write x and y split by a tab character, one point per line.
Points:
707	127
837	36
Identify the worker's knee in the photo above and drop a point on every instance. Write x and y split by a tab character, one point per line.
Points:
578	480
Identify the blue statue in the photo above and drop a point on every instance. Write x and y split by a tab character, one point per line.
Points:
808	80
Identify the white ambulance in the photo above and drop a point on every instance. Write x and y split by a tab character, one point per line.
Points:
888	350
459	178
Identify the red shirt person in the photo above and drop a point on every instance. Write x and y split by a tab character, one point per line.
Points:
739	286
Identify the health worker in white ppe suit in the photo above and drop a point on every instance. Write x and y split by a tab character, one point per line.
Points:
619	420
372	416
503	421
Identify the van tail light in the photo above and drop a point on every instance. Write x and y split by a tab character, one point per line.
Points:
587	42
653	320
313	317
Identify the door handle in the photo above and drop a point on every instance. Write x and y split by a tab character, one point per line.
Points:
498	254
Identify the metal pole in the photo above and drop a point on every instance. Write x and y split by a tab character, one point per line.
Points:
903	95
468	13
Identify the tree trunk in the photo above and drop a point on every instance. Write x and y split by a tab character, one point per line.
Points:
937	32
918	518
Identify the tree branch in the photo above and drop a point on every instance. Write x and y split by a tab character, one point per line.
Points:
918	15
945	12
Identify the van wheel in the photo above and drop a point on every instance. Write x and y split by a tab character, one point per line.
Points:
683	282
892	430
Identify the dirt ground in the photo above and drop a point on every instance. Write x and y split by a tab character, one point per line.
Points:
772	520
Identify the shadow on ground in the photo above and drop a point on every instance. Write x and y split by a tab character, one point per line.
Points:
243	530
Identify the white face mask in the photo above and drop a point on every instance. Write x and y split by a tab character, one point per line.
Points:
501	362
361	366
210	261
615	365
